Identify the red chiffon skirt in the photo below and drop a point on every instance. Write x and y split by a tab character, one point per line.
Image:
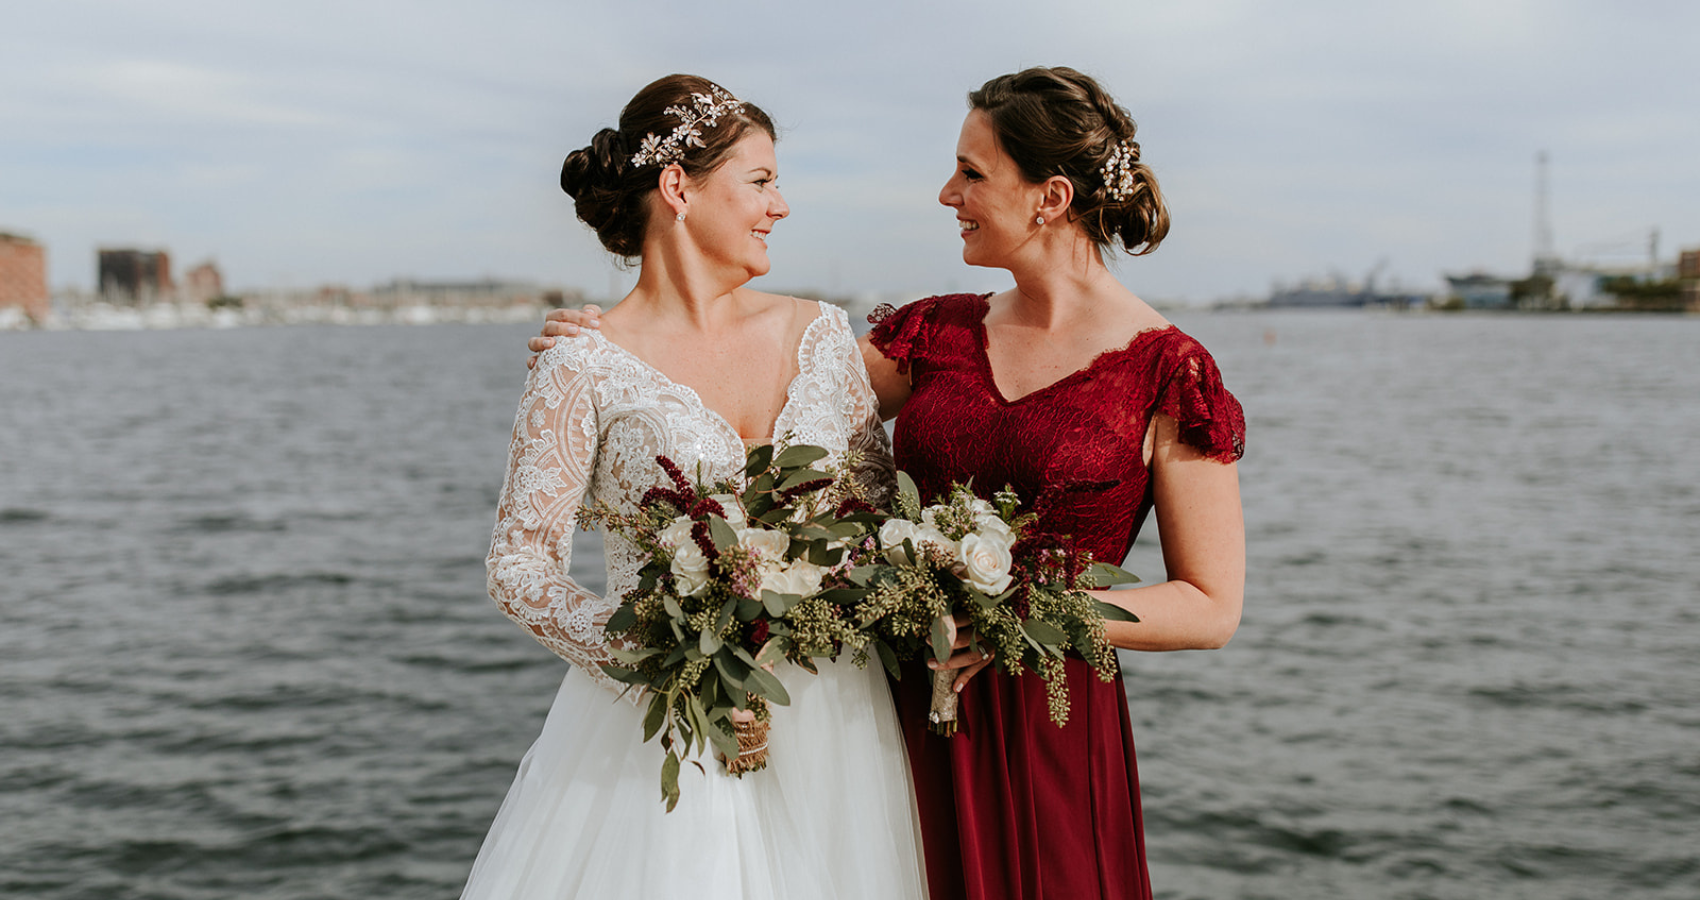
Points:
1013	806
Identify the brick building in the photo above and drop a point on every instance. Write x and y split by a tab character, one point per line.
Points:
135	276
23	276
203	283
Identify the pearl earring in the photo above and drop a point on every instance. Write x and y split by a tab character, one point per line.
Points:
1039	221
679	218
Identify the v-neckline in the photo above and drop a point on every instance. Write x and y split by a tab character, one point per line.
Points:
802	342
983	344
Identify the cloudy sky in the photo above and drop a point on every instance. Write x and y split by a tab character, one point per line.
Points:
355	141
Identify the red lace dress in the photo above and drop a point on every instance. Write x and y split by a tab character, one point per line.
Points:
1013	806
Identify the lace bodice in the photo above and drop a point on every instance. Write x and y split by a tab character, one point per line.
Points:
1073	450
593	419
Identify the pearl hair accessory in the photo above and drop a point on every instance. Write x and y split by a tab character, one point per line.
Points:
1118	169
706	111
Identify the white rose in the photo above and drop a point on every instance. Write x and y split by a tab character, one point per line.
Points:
690	568
734	513
677	534
801	578
766	543
982	508
927	534
893	532
991	524
986	561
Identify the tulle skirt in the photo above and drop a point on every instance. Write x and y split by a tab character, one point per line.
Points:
832	816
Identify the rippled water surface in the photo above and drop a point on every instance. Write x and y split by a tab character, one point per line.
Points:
245	649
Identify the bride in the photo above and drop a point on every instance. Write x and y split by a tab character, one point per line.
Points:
694	365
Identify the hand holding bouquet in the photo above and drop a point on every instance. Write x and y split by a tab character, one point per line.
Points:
739	577
1024	594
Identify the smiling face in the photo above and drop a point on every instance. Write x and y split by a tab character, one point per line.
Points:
995	206
733	208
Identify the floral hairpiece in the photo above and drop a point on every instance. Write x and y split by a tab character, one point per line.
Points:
706	111
1118	169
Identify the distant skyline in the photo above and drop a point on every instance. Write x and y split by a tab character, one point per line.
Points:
357	142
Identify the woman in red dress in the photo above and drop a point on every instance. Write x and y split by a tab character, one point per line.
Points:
1096	410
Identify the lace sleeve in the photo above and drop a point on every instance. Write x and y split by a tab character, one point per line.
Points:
901	334
550	462
1210	418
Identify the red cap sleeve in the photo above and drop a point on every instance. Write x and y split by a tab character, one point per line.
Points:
901	334
1210	418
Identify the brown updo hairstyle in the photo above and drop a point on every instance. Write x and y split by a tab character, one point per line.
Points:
611	195
1057	121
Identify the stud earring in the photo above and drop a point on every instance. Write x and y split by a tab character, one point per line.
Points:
1039	221
679	218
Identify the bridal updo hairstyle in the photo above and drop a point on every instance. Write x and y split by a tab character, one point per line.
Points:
611	195
1057	121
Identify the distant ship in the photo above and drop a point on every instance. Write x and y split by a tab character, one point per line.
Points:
1335	292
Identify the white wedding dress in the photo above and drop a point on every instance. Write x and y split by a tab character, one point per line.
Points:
832	815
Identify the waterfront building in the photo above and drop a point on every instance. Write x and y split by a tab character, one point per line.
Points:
133	277
23	277
203	283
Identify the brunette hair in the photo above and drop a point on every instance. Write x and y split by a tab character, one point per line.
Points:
611	194
1057	121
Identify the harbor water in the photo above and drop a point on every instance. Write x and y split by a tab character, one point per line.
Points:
246	650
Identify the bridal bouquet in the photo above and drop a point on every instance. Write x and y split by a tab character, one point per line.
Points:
1024	595
739	577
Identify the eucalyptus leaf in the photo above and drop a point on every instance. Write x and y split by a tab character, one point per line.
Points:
655	717
670	780
844	530
721	531
671	604
764	683
632	657
758	459
842	596
748	609
887	659
1112	612
779	604
1044	632
708	643
800	476
724	738
822	555
798	455
625	676
733	670
940	637
906	485
623	618
1104	574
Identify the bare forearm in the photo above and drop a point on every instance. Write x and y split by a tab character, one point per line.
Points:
1174	615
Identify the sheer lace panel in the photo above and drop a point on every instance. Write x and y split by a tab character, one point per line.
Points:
591	422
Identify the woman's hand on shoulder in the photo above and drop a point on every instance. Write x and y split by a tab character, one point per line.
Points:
563	323
891	387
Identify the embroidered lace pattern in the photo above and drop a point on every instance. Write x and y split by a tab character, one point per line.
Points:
592	421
